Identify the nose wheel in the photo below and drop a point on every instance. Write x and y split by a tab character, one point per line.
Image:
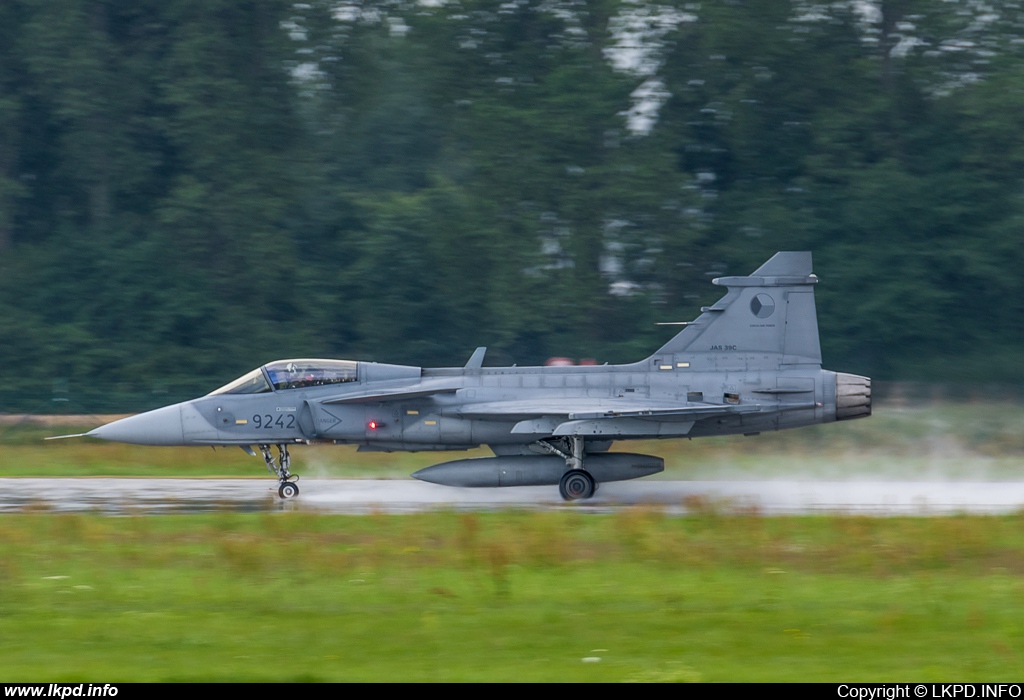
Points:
278	466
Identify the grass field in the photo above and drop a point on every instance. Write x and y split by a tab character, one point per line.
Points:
965	441
527	596
565	596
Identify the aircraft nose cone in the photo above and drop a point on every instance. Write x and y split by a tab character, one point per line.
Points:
159	427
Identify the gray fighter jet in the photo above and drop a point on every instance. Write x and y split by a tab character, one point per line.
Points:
747	364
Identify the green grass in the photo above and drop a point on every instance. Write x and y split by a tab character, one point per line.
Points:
527	596
510	597
951	440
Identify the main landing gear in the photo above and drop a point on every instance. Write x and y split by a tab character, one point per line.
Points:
278	466
576	483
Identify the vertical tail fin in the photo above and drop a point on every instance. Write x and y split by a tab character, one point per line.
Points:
771	311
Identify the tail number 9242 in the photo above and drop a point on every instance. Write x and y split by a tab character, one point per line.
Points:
267	421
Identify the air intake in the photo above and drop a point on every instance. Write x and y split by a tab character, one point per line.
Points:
853	396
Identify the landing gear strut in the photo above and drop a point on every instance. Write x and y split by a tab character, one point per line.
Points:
278	466
576	483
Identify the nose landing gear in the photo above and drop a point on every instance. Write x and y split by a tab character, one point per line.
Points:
278	466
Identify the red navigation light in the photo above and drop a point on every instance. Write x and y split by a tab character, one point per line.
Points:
373	425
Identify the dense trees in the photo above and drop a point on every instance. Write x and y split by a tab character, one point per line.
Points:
188	189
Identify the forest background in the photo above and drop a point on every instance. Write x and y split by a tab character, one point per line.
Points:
191	188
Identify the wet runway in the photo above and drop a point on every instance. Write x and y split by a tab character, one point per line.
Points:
116	496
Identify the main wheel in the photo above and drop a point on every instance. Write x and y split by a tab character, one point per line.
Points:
288	489
576	484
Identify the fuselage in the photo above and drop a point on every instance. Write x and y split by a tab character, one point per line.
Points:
438	409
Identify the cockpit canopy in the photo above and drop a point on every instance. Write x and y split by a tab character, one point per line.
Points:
300	374
252	383
292	374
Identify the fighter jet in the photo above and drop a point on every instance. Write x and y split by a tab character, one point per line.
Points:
749	363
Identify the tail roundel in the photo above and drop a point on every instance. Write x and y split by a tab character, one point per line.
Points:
770	311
